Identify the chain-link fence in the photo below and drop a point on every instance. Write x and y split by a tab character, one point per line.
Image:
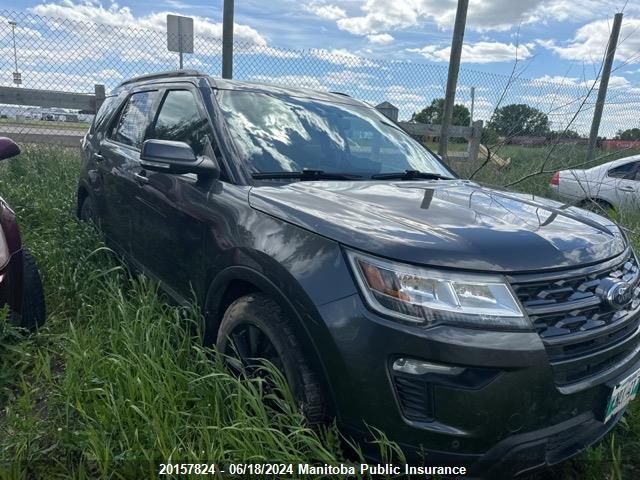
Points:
54	54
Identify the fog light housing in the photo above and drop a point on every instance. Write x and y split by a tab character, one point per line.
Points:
420	367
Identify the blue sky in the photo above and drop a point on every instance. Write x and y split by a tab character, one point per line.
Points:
558	41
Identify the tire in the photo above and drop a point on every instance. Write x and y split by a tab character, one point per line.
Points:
88	211
598	206
33	311
258	311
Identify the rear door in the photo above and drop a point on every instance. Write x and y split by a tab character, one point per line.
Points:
626	181
120	153
172	231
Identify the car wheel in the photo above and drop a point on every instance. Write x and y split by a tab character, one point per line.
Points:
88	211
33	310
598	206
253	329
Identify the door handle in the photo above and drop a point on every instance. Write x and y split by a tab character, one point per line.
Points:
626	188
141	179
97	157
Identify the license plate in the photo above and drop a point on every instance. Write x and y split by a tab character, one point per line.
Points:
623	393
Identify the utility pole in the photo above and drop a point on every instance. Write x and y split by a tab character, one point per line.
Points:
452	78
17	78
604	84
227	39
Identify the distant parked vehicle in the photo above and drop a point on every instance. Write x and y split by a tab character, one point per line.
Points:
610	186
20	284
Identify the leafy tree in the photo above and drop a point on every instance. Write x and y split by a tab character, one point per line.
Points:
489	136
433	114
519	119
629	134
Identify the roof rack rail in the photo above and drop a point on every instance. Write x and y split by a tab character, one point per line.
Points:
341	93
167	74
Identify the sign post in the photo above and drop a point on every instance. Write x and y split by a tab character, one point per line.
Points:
179	35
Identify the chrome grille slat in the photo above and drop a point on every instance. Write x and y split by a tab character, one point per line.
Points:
583	335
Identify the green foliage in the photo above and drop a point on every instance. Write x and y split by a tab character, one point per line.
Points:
433	114
519	120
563	134
629	134
489	136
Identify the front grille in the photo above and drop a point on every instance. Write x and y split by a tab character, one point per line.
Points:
583	334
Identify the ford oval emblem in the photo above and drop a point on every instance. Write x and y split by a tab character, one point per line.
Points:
616	293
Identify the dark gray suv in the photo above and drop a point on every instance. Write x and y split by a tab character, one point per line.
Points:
473	326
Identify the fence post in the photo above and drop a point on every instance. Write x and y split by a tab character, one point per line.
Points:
604	84
452	78
474	140
100	95
227	39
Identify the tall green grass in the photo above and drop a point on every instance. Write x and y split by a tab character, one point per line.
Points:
118	380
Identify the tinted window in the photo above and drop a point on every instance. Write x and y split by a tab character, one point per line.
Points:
626	171
285	133
104	113
179	120
134	119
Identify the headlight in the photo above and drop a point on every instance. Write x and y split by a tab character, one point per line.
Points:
426	296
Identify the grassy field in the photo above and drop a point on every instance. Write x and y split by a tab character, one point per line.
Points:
116	380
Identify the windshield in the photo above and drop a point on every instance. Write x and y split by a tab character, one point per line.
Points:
278	133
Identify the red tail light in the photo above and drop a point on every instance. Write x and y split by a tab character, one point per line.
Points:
555	180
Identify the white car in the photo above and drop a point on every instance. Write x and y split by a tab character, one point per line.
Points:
610	186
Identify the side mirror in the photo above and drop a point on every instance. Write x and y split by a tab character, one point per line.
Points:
176	157
8	148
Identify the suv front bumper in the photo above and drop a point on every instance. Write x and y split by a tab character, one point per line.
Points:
504	415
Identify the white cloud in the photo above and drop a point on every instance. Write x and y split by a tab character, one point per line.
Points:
380	39
483	15
348	78
590	42
341	56
479	52
327	12
615	82
558	80
117	16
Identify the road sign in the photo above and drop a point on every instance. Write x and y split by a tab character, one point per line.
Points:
17	78
179	34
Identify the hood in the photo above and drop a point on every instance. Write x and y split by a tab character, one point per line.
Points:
455	223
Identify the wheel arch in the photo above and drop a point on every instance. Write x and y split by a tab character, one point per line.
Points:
600	201
237	281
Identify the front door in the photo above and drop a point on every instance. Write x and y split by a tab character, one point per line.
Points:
173	228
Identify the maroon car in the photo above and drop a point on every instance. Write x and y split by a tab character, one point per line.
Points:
20	284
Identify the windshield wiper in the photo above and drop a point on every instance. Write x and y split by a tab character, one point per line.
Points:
410	175
306	174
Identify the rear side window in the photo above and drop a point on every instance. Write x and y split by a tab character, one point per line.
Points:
134	119
180	120
626	171
104	113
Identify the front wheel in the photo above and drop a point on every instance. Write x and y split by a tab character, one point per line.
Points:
88	211
255	329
